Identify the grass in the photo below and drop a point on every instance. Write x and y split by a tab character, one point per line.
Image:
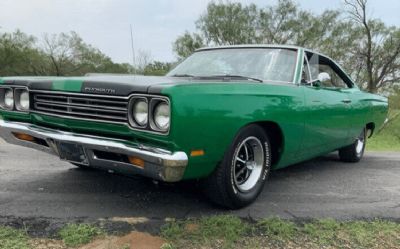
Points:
356	234
226	231
231	232
388	139
203	231
277	228
13	239
74	235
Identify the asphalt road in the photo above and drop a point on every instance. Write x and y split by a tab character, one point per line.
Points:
34	184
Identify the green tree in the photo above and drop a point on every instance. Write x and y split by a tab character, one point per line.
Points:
20	56
229	23
186	44
280	24
394	98
157	68
379	48
283	23
68	54
368	49
62	54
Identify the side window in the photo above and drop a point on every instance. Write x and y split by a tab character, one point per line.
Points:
323	69
334	81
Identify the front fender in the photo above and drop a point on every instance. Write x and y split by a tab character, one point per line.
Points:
208	116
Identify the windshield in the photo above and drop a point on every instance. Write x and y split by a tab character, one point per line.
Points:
267	64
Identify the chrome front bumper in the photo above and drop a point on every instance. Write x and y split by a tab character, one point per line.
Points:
158	163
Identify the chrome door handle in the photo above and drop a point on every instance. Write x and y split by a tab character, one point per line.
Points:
347	101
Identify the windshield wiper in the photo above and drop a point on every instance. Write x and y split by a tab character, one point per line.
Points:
223	76
230	76
182	75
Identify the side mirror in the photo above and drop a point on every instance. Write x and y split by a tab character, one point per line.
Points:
316	83
324	77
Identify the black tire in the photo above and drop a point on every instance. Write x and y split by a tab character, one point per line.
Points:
223	186
354	152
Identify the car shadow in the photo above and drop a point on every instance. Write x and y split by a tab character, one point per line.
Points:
96	194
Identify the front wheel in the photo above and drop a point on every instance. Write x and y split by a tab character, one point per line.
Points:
354	152
240	177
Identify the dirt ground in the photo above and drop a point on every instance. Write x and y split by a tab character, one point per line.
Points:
133	240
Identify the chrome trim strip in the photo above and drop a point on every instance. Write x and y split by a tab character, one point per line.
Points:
91	98
249	46
38	97
298	55
82	94
14	89
68	105
17	96
131	119
72	113
159	163
80	107
153	104
2	98
86	119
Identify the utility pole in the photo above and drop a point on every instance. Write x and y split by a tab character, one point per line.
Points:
133	52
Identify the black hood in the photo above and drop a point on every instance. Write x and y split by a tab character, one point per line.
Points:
124	85
104	84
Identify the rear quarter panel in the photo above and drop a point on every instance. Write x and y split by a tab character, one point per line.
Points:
367	108
378	110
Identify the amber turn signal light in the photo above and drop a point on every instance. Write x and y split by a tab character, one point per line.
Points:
136	161
197	153
24	137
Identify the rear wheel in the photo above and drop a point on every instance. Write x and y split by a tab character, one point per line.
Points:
240	177
354	152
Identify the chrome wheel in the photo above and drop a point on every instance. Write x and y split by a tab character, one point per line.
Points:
248	163
360	144
240	177
354	152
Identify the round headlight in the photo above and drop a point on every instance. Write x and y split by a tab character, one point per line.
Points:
24	100
162	116
140	112
9	99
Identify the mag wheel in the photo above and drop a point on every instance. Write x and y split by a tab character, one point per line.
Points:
240	177
354	152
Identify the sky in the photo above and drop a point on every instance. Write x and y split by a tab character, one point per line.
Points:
105	24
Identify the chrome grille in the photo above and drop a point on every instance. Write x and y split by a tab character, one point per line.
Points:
82	106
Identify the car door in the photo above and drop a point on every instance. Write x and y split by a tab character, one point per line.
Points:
327	106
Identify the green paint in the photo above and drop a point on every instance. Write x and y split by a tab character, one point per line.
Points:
1	81
208	116
69	85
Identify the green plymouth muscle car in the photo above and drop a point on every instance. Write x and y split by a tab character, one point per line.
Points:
225	115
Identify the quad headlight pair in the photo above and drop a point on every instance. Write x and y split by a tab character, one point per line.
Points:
14	99
152	113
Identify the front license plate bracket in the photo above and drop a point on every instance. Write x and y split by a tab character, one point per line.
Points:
73	153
